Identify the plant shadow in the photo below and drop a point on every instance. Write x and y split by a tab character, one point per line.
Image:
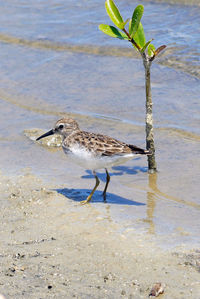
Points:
81	194
118	171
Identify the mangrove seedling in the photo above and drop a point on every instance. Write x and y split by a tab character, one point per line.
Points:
136	36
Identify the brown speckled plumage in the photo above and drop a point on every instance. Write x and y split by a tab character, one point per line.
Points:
100	144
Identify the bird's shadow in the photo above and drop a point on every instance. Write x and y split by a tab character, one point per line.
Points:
81	194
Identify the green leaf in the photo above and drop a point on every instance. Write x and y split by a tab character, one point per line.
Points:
146	45
114	14
139	36
135	21
112	31
151	50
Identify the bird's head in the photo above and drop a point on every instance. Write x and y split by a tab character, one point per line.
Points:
63	127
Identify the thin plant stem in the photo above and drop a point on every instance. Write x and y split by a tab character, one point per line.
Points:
149	115
132	40
149	118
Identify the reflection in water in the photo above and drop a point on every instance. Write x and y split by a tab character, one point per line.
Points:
153	194
151	201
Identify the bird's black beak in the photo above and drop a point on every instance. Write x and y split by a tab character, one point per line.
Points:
51	132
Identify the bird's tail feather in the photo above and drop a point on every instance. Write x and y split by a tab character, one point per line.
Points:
140	151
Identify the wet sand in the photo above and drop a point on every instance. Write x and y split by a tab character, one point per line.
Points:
52	247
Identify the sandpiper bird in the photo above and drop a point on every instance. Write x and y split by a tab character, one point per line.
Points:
93	151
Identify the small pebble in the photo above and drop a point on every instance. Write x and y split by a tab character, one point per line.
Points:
157	289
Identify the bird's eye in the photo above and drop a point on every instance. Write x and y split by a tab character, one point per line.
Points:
61	127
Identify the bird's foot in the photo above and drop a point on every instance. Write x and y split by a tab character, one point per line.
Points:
87	200
83	202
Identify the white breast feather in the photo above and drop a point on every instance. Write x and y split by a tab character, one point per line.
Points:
88	160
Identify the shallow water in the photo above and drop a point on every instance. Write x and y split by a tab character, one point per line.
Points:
49	69
68	25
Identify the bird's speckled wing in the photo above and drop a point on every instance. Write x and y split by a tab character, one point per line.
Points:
99	144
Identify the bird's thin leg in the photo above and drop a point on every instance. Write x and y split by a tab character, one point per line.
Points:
95	187
106	186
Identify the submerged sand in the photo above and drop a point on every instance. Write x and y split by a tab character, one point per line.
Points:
52	247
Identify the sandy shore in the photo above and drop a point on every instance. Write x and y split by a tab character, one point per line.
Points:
51	247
